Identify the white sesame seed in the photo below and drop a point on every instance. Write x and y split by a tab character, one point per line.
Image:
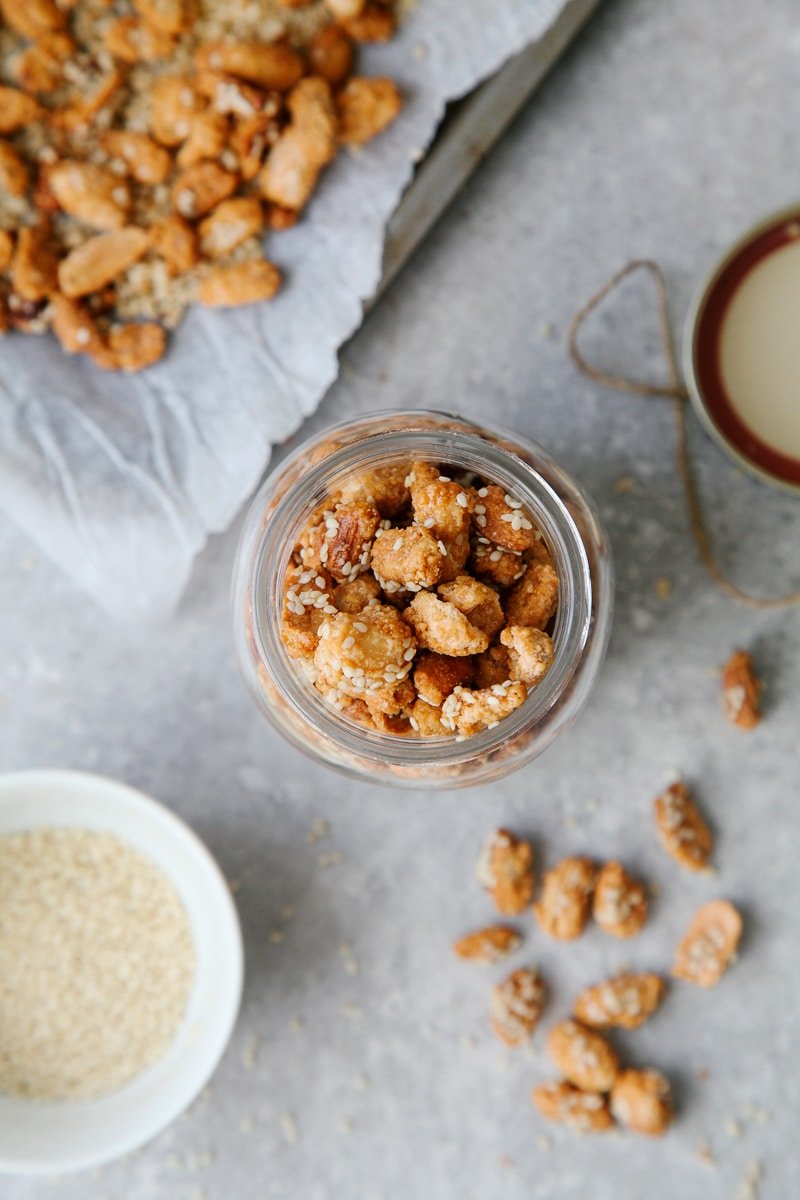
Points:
483	492
442	549
348	642
461	500
444	479
360	626
397	544
429	523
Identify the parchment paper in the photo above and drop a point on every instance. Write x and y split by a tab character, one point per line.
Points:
121	479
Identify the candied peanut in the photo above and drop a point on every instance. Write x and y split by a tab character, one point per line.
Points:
466	712
93	194
17	110
505	869
240	283
620	901
741	690
563	908
268	64
503	567
426	720
479	603
534	600
207	137
231	223
290	172
640	1101
170	16
73	326
489	945
709	945
331	55
435	676
6	249
355	594
516	1006
100	259
585	1112
173	102
530	653
34	267
306	603
32	18
200	188
373	24
343	10
443	508
502	519
133	40
366	107
626	1001
385	487
176	241
233	97
406	558
438	624
342	539
277	217
147	161
135	346
493	666
583	1056
393	701
250	139
13	171
369	653
40	68
684	834
81	113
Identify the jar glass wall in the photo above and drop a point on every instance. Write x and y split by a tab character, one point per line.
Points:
570	529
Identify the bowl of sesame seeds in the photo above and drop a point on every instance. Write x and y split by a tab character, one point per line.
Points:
121	969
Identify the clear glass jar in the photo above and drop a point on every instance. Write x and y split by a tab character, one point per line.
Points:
570	527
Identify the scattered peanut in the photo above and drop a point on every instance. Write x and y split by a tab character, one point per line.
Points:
640	1100
516	1006
684	834
505	869
582	1111
709	944
741	691
626	1001
240	283
489	945
563	908
583	1056
620	902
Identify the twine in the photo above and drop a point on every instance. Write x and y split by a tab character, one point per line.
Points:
676	392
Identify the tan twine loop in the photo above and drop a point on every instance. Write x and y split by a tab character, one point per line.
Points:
676	392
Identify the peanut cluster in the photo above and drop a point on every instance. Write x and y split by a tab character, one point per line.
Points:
420	602
145	150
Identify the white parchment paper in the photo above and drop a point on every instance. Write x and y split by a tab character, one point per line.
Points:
121	479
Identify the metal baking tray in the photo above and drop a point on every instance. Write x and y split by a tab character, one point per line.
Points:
468	132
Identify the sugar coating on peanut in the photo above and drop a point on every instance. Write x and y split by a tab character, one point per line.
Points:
683	832
489	945
516	1006
709	945
583	1056
505	869
581	1111
563	907
741	691
626	1001
620	901
640	1100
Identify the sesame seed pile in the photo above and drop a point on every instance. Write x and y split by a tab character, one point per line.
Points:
97	962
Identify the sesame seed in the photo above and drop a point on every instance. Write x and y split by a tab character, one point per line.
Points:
483	492
360	626
429	523
461	500
348	642
444	479
397	544
442	549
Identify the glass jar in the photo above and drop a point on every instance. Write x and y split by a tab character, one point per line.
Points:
570	528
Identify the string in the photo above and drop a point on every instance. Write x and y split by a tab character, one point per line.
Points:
676	392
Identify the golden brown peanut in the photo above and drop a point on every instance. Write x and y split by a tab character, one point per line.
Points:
331	55
516	1006
291	170
208	134
170	16
147	161
741	691
505	869
250	139
32	18
231	223
530	653
241	283
620	902
466	711
40	67
583	1056
640	1101
99	260
585	1112
277	217
373	24
271	65
534	599
6	249
683	832
136	346
174	101
343	10
479	603
134	40
73	326
13	171
17	110
176	241
563	907
200	188
626	1001
709	945
34	266
93	194
489	945
82	112
435	675
366	107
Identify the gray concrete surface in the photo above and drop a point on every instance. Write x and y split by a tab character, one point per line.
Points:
664	133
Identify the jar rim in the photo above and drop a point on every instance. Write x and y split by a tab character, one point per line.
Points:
421	434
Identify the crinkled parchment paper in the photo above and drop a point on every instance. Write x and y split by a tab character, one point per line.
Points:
121	479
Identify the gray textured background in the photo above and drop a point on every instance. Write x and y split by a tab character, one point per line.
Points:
663	133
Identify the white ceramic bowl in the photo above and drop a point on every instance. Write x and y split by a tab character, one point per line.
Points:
39	1138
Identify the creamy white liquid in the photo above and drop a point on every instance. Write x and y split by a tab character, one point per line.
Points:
760	350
